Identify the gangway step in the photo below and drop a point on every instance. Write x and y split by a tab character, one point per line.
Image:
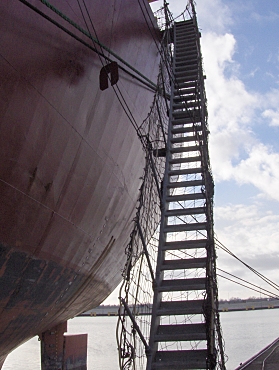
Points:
186	105
178	88
181	50
185	244
184	212
185	171
186	120
180	360
186	39
184	27
185	227
183	139
186	113
197	158
187	129
183	56
182	98
182	285
181	264
182	65
185	184
185	197
186	72
184	149
185	66
186	36
186	332
189	307
192	77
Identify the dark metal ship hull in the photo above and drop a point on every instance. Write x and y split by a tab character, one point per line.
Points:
71	160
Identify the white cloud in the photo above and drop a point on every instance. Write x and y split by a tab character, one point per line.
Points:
269	17
213	15
261	169
272	115
236	153
253	235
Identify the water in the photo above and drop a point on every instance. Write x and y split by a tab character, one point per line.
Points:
245	333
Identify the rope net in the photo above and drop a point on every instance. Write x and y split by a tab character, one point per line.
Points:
138	274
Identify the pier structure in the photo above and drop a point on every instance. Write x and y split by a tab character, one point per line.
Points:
266	359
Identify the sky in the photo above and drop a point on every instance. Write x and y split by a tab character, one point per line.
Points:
240	47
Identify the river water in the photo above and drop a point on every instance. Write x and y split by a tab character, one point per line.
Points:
245	333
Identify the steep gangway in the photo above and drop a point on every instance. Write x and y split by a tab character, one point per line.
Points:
183	325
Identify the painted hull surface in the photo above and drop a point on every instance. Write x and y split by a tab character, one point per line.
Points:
71	160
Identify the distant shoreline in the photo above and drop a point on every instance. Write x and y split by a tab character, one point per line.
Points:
224	306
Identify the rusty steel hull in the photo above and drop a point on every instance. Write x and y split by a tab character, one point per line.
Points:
71	161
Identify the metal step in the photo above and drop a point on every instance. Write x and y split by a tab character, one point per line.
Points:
182	264
186	120
183	66
186	73
185	129
185	98
185	244
185	63
186	104
186	332
190	47
185	212
185	149
186	113
188	28
179	87
183	139
181	307
186	41
182	285
179	49
185	171
185	35
197	158
185	55
195	226
185	197
185	184
180	360
193	77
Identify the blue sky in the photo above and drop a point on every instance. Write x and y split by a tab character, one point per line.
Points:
240	47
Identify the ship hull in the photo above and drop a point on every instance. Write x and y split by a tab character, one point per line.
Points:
71	160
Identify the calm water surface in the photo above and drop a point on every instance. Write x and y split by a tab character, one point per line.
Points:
245	333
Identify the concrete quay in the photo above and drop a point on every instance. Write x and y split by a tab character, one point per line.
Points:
248	305
224	306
